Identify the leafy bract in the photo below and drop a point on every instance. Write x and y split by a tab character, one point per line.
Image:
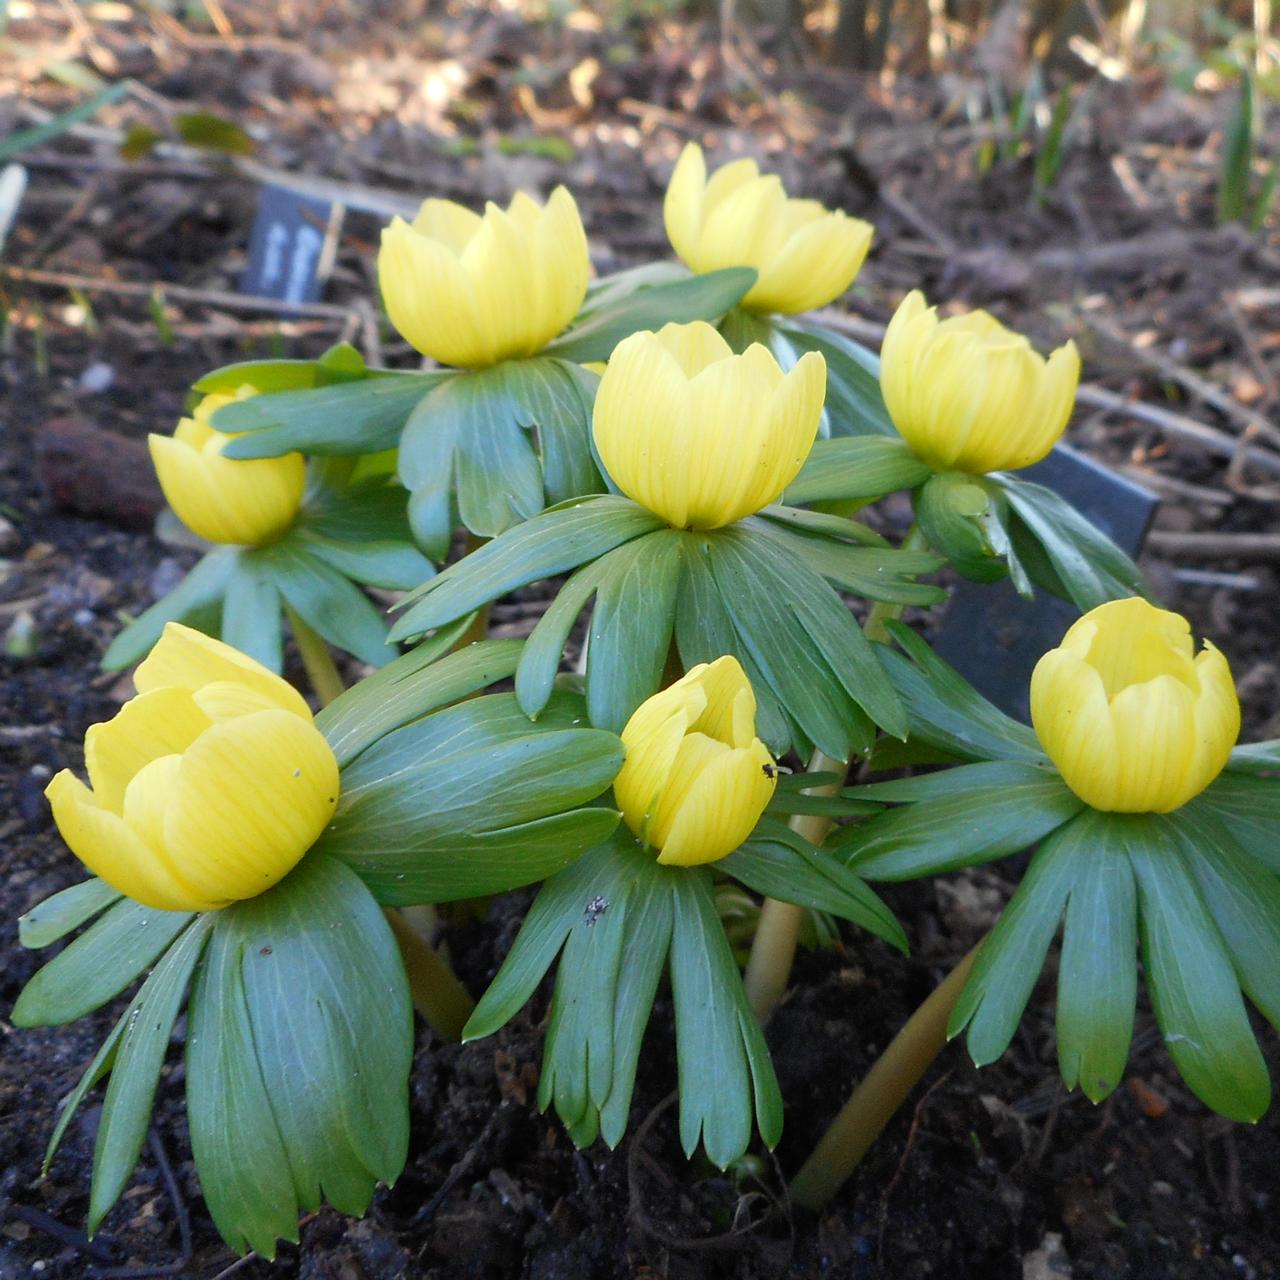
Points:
618	919
299	1040
347	535
473	799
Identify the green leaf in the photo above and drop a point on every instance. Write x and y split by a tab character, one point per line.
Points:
876	573
1243	896
98	965
235	1137
481	433
644	957
975	823
723	1063
423	680
855	405
550	543
605	324
1098	976
25	139
202	587
577	1066
212	132
705	632
561	901
790	618
436	810
298	1056
349	418
251	609
948	712
1235	178
395	566
860	466
1256	757
1013	953
266	376
780	864
631	625
139	1055
1249	808
102	1062
1089	567
540	658
68	909
333	606
1191	980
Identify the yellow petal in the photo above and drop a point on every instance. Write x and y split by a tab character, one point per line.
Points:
746	228
157	723
694	346
184	658
429	298
651	754
1154	725
729	713
452	224
722	807
500	264
641	426
1217	719
731	440
562	263
246	503
103	842
251	797
816	264
1072	719
682	206
695	753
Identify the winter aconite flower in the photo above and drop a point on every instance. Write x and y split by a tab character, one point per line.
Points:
967	394
1134	719
696	778
205	788
471	290
699	435
805	254
222	499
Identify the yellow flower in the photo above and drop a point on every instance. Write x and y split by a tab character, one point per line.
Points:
805	254
206	788
967	394
1134	719
699	435
472	291
246	502
696	778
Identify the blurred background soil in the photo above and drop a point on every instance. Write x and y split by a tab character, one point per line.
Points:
1081	167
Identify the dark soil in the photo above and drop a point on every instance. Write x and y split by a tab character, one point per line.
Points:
985	1175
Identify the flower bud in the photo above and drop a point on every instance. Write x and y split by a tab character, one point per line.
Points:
206	788
247	502
696	778
700	436
471	291
967	394
805	255
1133	718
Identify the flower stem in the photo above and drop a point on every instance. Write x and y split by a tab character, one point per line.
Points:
437	994
873	1103
316	658
773	949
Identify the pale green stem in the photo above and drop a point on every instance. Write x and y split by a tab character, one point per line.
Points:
774	949
316	658
884	1089
437	994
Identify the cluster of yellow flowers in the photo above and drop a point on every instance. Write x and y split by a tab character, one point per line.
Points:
697	434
